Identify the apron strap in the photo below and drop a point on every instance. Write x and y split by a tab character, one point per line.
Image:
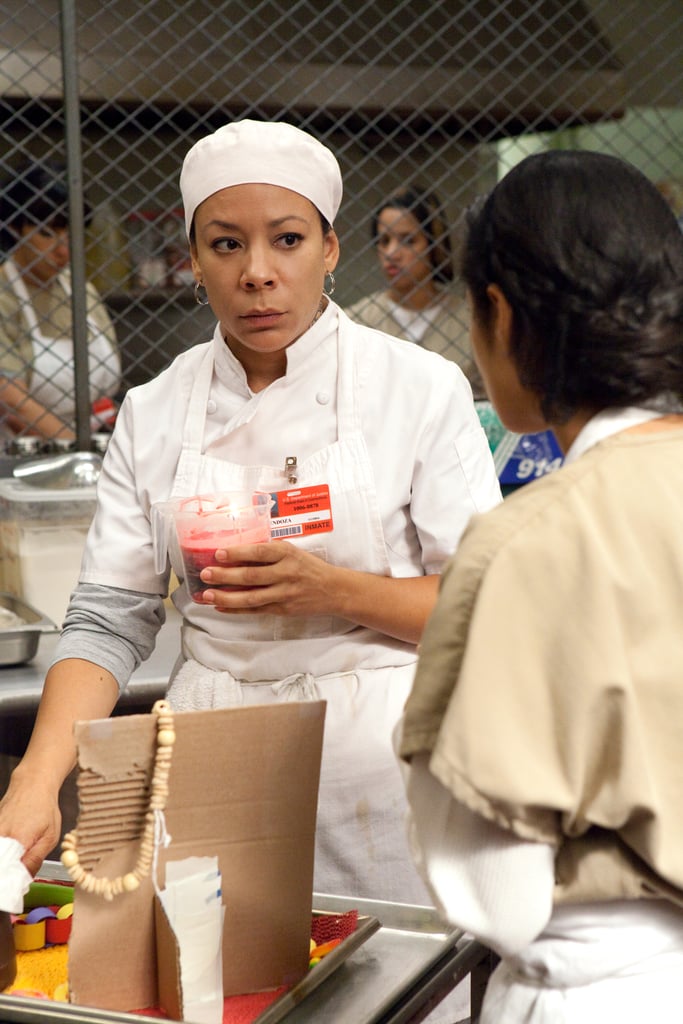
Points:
21	291
187	473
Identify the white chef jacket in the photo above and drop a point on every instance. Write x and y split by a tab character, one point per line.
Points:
426	468
429	455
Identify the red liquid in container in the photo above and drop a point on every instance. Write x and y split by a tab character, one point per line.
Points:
199	550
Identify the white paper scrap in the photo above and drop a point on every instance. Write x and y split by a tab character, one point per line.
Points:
193	906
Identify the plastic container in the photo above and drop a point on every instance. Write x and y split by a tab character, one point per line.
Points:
42	536
205	522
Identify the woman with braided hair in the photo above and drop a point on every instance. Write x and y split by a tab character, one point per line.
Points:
544	728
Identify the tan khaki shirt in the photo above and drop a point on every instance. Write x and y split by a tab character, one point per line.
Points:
550	681
53	311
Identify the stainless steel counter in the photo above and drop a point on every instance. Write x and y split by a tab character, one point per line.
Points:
395	977
21	685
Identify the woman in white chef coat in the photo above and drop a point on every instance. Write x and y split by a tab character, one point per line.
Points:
545	726
289	392
37	384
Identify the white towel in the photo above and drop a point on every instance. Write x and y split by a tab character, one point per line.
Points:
198	688
15	877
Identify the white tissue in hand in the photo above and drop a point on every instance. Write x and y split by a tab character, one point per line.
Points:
15	877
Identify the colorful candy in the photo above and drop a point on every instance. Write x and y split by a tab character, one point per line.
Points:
46	925
319	950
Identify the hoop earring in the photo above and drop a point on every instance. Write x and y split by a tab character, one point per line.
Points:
333	285
197	297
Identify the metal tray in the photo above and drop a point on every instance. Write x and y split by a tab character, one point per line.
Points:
408	966
20	643
399	962
39	1010
278	1011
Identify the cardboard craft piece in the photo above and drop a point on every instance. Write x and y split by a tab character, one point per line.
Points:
243	787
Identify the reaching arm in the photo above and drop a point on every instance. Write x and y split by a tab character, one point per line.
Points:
396	607
25	413
75	690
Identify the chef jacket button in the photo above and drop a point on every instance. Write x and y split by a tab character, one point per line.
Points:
210	406
322	398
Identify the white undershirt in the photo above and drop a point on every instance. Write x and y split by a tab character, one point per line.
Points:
605	423
415	323
477	873
500	889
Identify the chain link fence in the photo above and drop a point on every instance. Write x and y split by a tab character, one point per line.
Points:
439	96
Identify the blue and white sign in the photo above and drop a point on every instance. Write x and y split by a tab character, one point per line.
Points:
520	458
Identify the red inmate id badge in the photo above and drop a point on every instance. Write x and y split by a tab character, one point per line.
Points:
301	511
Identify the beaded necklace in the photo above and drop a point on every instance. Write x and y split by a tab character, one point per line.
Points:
110	887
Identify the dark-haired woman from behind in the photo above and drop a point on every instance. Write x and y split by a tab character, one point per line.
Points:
420	302
544	728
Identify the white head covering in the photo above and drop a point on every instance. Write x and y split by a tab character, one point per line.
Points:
261	152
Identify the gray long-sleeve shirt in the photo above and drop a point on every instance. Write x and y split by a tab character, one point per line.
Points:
115	629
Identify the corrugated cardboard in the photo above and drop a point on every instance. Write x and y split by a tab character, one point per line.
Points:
243	787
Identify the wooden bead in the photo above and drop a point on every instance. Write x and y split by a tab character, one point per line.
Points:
166	737
130	882
69	858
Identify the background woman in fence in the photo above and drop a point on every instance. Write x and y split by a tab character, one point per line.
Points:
545	725
37	383
420	302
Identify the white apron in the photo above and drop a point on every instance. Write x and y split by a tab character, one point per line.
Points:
52	367
361	846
